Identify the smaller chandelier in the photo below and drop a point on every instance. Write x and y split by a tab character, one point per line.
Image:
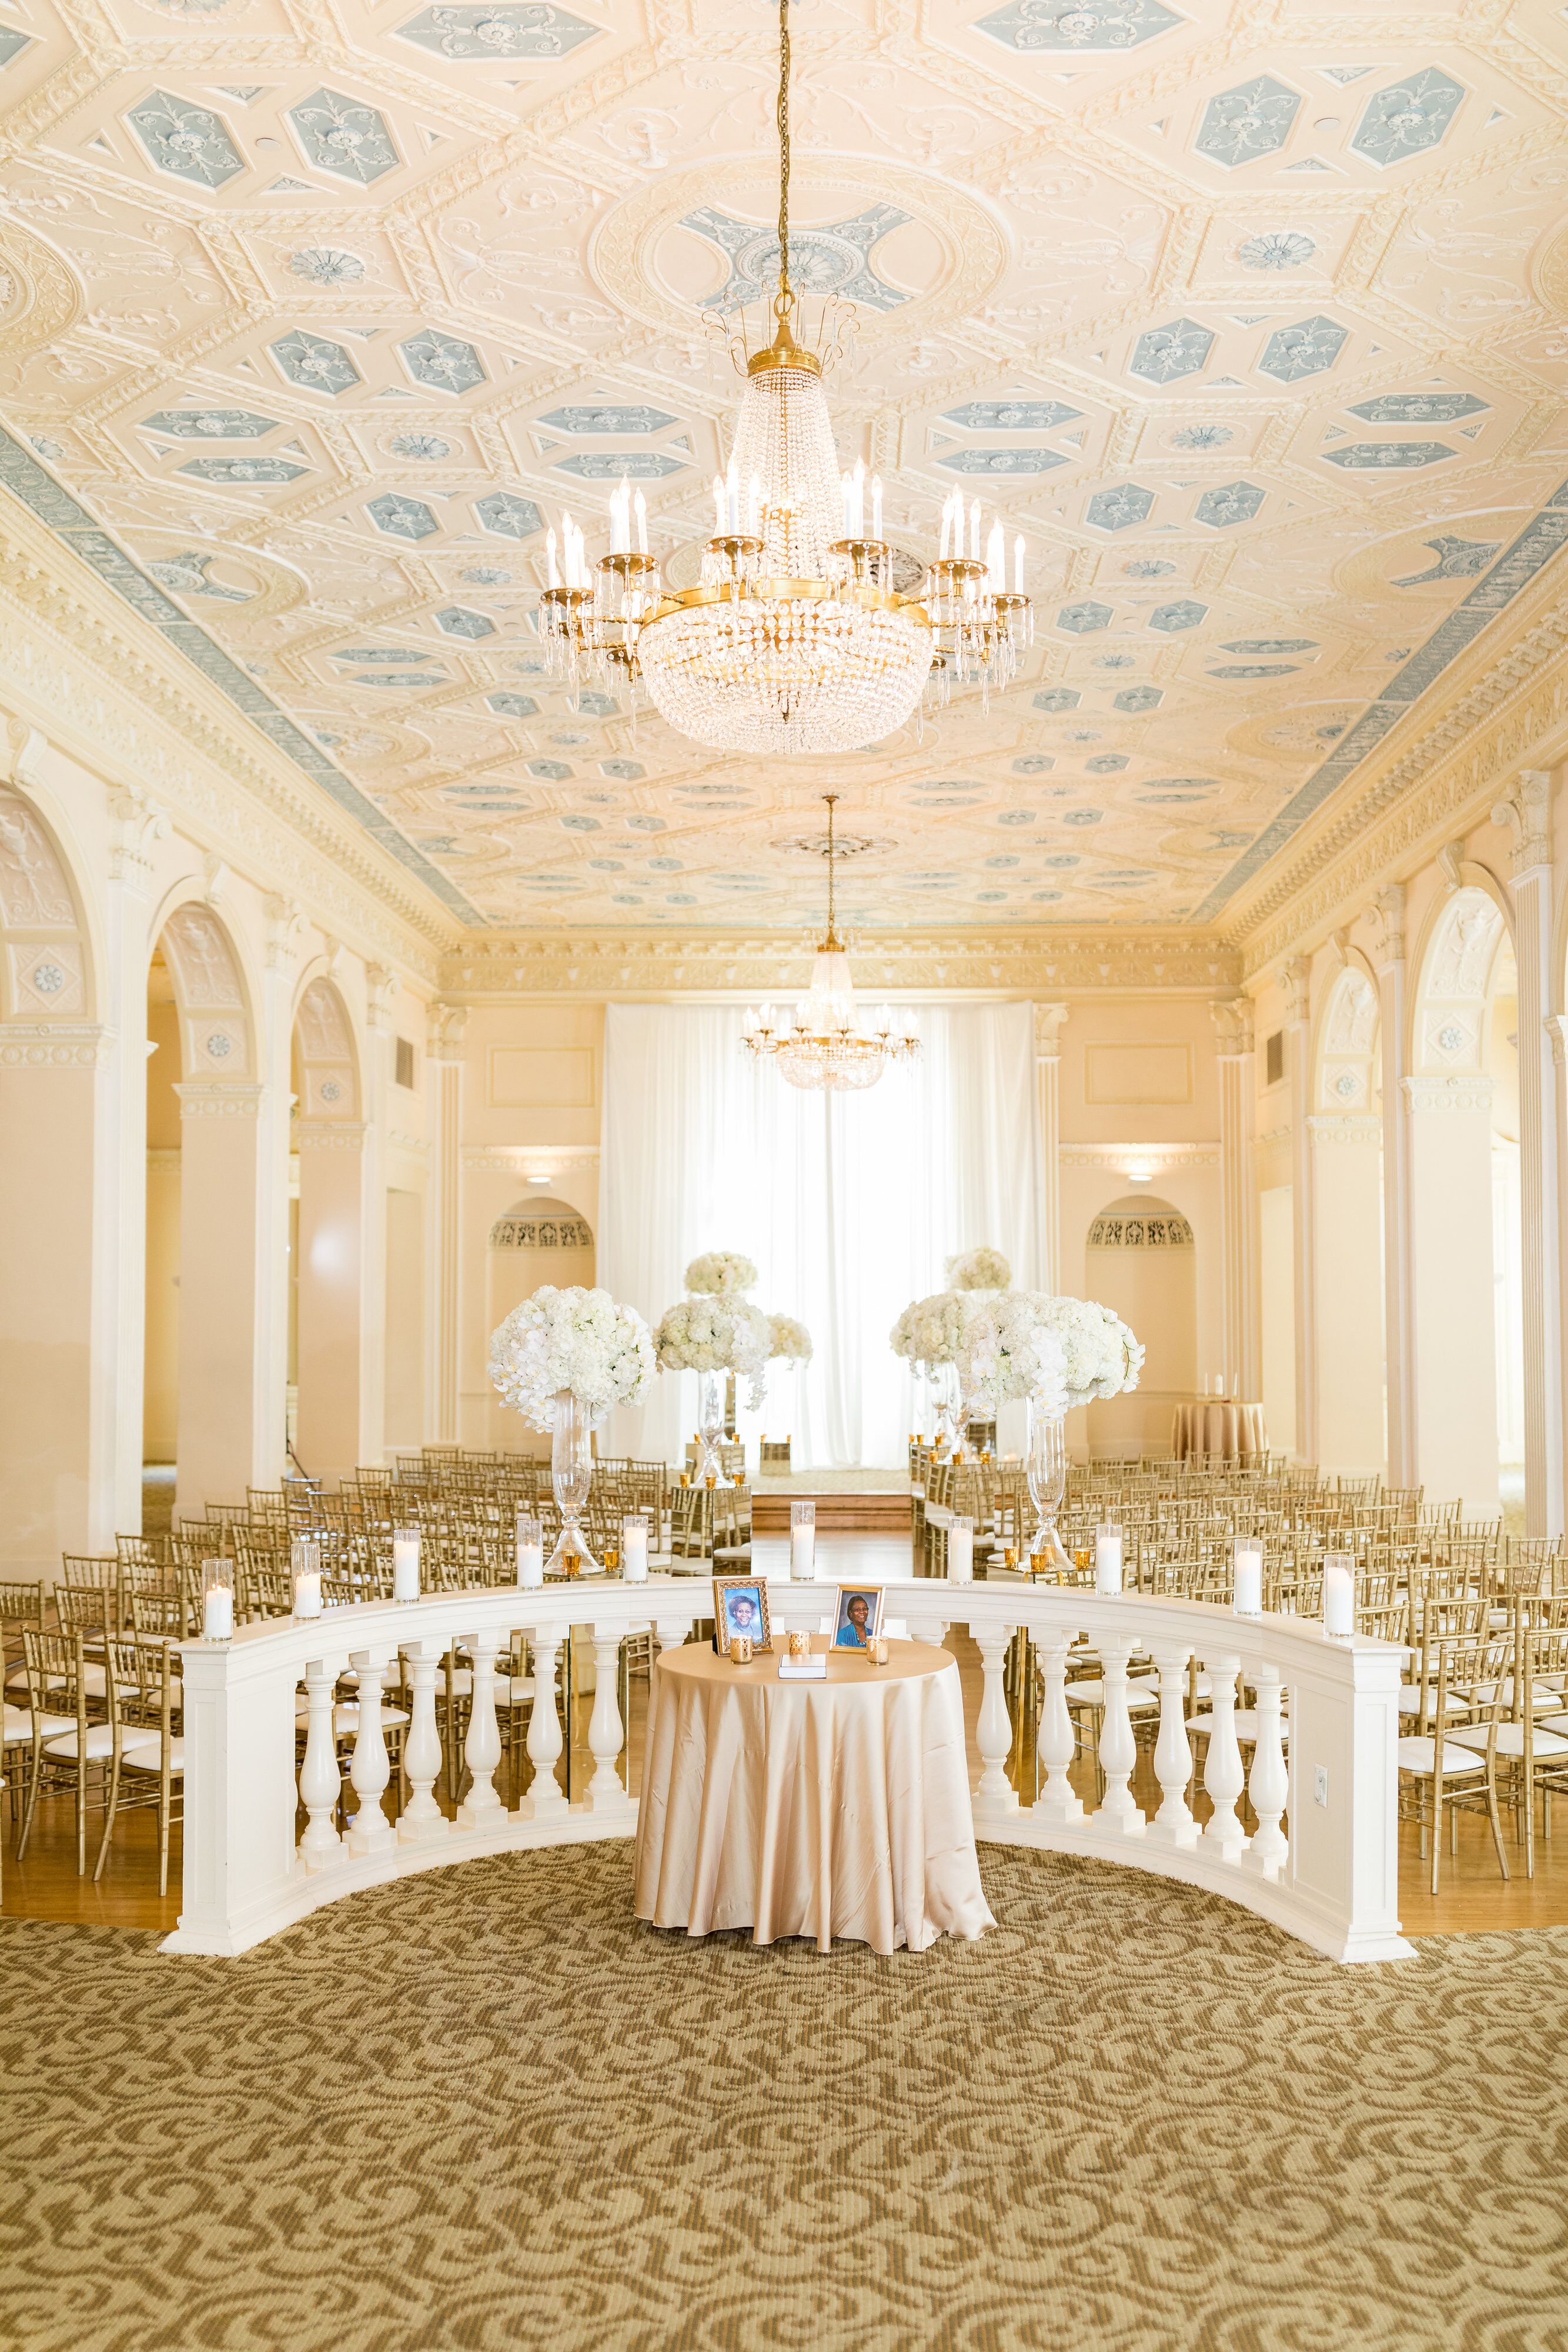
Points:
824	1046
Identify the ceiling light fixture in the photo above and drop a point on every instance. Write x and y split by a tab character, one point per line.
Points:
825	1047
796	639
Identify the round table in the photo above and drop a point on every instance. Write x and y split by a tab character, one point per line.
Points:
1219	1426
822	1809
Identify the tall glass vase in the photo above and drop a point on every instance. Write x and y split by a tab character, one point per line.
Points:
1045	1469
572	1475
710	1425
945	1380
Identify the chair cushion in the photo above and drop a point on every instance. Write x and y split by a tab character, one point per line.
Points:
1091	1693
1410	1696
148	1757
19	1724
1245	1721
1417	1755
1510	1739
346	1716
99	1742
511	1690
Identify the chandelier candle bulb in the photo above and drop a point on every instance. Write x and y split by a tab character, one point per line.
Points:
1249	1601
961	1552
635	1549
876	506
1339	1596
217	1600
405	1564
732	496
1018	567
717	507
531	1550
641	511
551	568
803	1542
1108	1559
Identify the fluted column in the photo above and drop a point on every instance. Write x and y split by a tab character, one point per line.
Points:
1238	1198
444	1061
1526	814
380	998
1297	982
120	1212
1397	1289
1048	1023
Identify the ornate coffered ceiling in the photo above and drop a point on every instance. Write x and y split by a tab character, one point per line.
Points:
1251	321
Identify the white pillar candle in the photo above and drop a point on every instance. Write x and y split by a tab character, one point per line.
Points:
219	1613
1339	1596
635	1549
1248	1577
307	1593
405	1565
803	1541
531	1550
1108	1559
961	1552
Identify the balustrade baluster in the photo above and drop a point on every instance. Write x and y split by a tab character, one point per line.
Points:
604	1727
1118	1748
321	1782
369	1832
1222	1775
422	1817
482	1808
1174	1823
1057	1743
544	1741
1268	1785
994	1732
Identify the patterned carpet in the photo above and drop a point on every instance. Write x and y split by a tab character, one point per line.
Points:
485	2109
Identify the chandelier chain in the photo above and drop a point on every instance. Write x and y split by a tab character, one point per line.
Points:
832	939
783	304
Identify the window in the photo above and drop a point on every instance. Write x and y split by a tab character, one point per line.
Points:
404	1068
1274	1058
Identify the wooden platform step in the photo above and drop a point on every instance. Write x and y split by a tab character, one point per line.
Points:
879	1515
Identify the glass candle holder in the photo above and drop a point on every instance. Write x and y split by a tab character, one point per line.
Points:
799	1645
634	1548
740	1649
305	1575
1248	1577
217	1600
405	1563
1108	1557
961	1551
803	1540
1339	1595
530	1548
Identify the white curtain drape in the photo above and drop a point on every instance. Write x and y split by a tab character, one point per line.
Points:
850	1204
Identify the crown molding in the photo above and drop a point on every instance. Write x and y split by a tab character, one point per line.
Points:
1154	1158
1013	964
528	1160
79	664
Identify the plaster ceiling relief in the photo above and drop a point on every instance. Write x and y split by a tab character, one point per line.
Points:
1254	333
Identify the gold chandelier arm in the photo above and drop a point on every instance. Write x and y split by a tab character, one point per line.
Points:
832	941
784	296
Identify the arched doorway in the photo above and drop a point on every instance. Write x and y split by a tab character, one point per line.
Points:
1141	1263
539	1239
1346	1128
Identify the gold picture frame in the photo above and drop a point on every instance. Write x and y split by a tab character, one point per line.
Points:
847	1635
727	1591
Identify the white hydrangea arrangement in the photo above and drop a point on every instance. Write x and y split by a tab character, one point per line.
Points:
980	1269
790	1340
930	1331
583	1341
715	1335
1011	1348
1101	1357
720	1273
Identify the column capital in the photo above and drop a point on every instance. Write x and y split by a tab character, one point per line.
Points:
1047	1022
138	824
445	1035
330	1134
1428	1091
1388	913
1296	979
1232	1021
381	994
285	928
1556	1027
220	1098
54	1045
1525	815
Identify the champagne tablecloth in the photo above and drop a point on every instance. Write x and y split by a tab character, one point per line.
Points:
823	1809
1218	1425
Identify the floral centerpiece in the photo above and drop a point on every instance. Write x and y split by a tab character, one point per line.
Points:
561	1360
790	1340
713	1335
980	1269
721	1274
1010	1350
1103	1357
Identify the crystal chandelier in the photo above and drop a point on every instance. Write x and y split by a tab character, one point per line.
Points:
796	639
824	1046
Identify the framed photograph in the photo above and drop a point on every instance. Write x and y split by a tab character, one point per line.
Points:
739	1606
858	1617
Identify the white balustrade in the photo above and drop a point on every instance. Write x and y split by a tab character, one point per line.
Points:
1321	1862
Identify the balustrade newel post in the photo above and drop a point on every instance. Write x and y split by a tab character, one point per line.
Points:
422	1817
369	1832
1056	1744
1269	1784
1173	1824
482	1808
1118	1748
320	1784
1223	1778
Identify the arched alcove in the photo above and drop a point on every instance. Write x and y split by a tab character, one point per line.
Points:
1141	1261
539	1239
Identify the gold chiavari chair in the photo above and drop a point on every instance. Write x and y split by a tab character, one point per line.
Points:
145	1698
1437	1771
75	1744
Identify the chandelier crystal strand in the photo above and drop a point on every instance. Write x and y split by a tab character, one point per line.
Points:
795	640
824	1047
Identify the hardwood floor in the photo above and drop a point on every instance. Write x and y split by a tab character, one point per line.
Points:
1472	1897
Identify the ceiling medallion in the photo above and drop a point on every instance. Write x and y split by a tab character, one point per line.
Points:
795	638
825	1048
